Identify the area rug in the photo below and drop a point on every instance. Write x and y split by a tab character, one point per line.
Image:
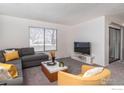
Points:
35	76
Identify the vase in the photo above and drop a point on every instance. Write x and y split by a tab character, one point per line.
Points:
53	59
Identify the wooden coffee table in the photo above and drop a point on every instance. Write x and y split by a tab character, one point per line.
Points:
51	72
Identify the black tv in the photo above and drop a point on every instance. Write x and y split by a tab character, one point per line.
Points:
82	47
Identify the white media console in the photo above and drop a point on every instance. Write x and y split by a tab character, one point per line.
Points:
82	58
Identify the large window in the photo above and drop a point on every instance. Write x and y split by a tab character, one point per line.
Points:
43	39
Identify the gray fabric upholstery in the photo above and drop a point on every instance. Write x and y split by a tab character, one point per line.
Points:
27	51
34	57
33	63
2	57
17	81
33	60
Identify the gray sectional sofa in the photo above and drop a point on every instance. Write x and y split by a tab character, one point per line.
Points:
28	58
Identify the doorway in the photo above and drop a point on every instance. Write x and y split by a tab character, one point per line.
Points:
114	44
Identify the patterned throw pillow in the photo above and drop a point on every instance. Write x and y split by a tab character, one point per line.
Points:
4	74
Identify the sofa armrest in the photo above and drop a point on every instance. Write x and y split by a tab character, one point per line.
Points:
85	68
65	78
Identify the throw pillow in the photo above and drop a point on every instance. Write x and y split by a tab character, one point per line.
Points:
11	56
11	69
4	74
9	51
93	72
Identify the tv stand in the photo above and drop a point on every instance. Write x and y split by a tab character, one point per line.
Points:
82	58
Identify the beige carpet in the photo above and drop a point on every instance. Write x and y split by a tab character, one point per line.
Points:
34	75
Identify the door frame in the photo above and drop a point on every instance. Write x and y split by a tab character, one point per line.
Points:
119	44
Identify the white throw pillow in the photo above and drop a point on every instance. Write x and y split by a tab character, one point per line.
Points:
4	74
93	72
9	51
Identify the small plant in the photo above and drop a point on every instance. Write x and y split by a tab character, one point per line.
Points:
61	64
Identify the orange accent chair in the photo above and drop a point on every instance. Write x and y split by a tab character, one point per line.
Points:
65	78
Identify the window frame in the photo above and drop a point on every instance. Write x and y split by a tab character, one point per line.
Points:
44	38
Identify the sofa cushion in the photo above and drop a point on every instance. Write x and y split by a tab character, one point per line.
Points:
34	57
27	51
43	55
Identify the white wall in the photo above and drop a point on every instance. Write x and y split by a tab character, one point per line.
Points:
95	31
14	32
92	31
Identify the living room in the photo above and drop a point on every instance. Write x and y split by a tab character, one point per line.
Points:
70	23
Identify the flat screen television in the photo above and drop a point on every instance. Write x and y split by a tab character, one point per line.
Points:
82	47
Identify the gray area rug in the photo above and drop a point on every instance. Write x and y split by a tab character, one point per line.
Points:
34	75
117	76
